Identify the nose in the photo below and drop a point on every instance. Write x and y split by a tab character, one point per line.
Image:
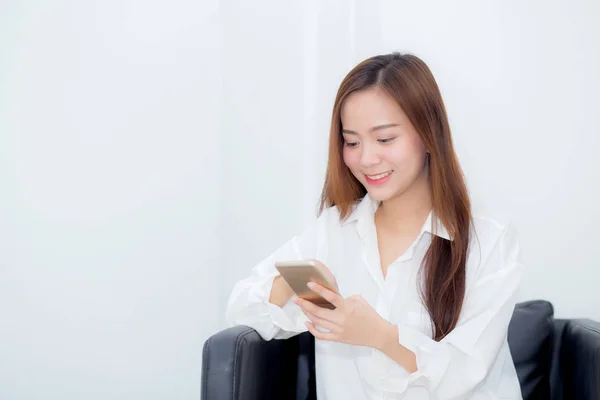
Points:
369	156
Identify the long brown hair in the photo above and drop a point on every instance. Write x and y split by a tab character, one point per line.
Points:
410	82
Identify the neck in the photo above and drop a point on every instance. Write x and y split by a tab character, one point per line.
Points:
411	208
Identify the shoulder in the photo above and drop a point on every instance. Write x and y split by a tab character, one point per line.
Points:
330	227
331	216
321	226
489	227
494	241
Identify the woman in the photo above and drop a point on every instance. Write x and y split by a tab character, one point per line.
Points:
426	290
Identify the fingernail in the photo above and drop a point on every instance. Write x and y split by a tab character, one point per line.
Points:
310	285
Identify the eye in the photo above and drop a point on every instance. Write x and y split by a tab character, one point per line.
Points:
350	144
387	140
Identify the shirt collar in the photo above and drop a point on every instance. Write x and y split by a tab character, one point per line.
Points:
366	209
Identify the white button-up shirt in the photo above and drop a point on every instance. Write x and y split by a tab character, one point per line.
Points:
472	362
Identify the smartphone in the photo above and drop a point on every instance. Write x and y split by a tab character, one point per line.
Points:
298	273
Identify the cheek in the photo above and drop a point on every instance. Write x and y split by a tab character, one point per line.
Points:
400	156
351	158
406	154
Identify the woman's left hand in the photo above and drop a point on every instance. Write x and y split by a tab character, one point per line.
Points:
353	321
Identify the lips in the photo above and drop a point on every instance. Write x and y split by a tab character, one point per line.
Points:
380	178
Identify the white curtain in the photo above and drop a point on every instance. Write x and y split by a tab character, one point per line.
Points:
152	152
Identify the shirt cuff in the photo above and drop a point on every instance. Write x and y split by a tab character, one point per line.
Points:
432	357
290	317
432	361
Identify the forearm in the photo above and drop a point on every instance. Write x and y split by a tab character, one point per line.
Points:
260	303
281	292
389	345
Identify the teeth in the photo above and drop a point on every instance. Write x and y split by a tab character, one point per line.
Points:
380	176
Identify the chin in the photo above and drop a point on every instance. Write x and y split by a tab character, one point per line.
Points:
386	192
381	195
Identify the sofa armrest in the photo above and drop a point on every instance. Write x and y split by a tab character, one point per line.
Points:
580	360
237	364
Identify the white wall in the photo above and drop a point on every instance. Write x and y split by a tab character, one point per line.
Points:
109	120
152	152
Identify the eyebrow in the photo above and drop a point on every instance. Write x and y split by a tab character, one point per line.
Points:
373	129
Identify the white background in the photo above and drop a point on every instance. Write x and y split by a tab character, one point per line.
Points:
152	152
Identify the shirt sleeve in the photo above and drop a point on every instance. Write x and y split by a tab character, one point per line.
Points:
453	367
249	301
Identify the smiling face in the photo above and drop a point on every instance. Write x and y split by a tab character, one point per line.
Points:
382	149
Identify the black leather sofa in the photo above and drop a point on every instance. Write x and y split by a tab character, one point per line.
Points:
555	359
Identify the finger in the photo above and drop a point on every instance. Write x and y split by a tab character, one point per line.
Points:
322	322
325	270
328	336
329	274
314	309
327	294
